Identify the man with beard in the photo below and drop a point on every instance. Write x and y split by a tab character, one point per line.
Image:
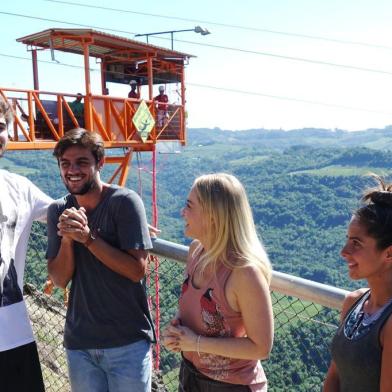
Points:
98	238
20	204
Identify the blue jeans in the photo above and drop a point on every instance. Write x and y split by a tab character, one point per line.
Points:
119	369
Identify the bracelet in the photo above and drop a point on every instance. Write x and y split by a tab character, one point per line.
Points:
198	345
91	238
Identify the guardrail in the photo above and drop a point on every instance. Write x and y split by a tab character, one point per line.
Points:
305	312
286	284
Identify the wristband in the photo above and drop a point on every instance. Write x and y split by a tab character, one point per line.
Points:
91	238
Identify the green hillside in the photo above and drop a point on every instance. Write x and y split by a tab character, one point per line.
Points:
302	187
301	195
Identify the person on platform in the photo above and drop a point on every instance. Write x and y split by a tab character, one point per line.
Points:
98	238
21	203
224	324
362	347
162	106
77	108
133	93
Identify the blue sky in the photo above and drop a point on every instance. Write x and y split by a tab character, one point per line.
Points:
264	73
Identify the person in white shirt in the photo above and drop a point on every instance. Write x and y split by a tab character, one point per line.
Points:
21	203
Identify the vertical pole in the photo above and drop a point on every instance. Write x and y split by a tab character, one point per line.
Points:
151	94
103	77
183	101
31	115
35	69
150	78
171	34
88	113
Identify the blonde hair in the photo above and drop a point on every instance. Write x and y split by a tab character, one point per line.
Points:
230	229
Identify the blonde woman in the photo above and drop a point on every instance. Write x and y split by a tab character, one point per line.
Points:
224	324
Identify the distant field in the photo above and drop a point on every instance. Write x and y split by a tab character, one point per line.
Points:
337	170
12	167
380	144
208	151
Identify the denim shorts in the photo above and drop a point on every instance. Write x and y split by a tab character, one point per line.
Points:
191	380
119	369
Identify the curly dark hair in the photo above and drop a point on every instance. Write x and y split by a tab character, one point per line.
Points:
376	214
92	141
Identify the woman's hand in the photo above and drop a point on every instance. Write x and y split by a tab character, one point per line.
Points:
179	338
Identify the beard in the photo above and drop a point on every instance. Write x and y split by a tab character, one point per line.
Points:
87	187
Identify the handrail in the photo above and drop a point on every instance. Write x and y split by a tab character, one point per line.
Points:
49	115
308	290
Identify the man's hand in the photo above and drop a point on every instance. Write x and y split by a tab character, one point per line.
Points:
73	225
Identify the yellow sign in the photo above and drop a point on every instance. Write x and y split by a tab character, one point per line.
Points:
143	120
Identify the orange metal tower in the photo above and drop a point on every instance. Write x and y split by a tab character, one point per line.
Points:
42	117
125	124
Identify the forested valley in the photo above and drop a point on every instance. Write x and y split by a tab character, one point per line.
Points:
302	187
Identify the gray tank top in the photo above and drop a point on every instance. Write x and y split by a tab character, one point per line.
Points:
356	349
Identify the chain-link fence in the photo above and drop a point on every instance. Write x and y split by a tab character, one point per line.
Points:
298	362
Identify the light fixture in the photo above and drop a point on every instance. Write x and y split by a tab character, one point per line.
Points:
196	29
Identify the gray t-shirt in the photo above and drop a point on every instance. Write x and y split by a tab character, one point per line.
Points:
105	309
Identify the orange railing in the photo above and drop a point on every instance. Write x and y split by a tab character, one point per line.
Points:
42	117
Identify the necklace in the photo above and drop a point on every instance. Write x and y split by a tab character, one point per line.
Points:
369	318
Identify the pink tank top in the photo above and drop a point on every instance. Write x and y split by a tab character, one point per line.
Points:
206	311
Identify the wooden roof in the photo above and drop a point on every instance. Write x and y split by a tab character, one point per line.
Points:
124	58
101	45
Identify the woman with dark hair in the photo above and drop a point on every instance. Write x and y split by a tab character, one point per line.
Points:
224	324
362	347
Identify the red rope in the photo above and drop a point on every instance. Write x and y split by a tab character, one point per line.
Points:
155	224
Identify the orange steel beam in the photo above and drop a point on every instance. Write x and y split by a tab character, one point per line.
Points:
49	145
122	169
45	116
183	102
88	115
98	123
17	122
150	78
60	115
122	117
108	115
70	113
120	121
31	117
